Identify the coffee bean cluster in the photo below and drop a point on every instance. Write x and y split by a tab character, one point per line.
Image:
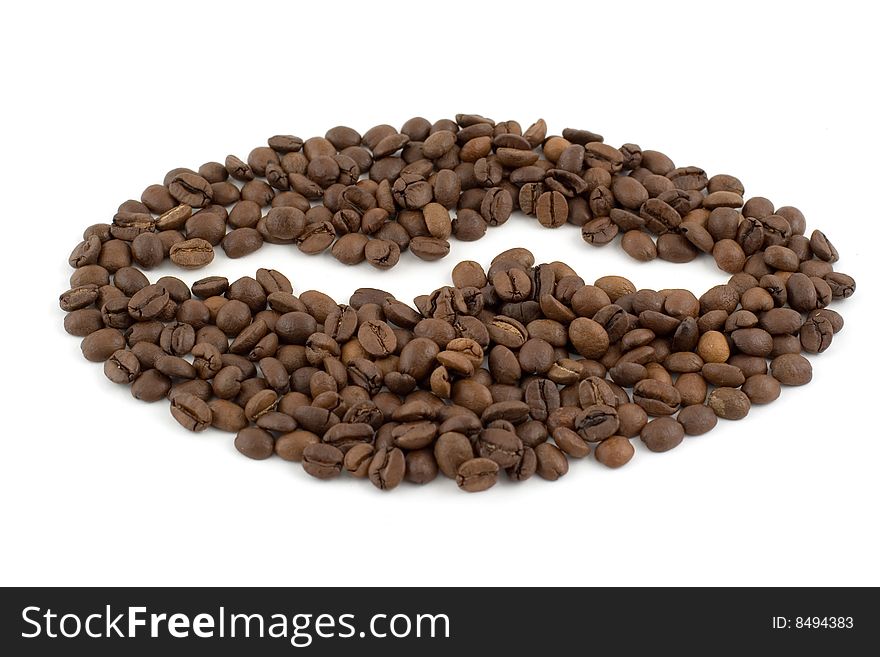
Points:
518	367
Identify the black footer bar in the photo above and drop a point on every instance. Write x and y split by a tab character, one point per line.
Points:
434	621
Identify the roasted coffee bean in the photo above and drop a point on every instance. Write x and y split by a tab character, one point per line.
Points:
149	302
191	412
451	450
729	403
377	338
291	446
571	442
596	422
761	389
589	338
151	386
476	475
551	209
662	434
697	419
551	462
615	451
816	333
656	397
387	468
102	344
192	254
631	418
791	369
322	460
421	468
357	460
503	447
122	367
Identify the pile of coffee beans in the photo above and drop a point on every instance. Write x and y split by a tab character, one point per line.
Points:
518	367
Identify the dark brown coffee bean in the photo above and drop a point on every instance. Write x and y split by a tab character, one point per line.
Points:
192	254
377	338
150	386
656	397
503	447
451	450
822	247
429	248
148	302
761	388
191	412
387	468
551	209
382	254
816	334
322	460
615	451
596	422
102	344
551	462
752	341
357	460
842	285
791	369
122	367
697	419
191	189
662	434
476	475
571	442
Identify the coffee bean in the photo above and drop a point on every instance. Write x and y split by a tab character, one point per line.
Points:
227	415
191	412
791	369
191	189
387	468
729	403
588	337
816	333
503	447
697	419
322	461
631	418
614	451
662	434
357	460
656	397
551	462
761	388
148	302
290	446
476	475
551	209
414	435
571	442
150	386
429	248
102	344
639	245
421	467
382	254
377	338
122	367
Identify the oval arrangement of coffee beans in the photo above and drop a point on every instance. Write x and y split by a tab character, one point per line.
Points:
513	370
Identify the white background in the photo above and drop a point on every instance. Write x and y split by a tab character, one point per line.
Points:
101	100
